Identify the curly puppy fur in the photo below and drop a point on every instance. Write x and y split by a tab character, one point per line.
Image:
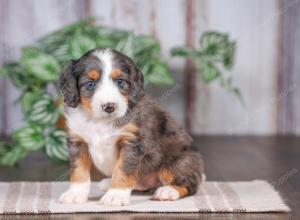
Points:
123	132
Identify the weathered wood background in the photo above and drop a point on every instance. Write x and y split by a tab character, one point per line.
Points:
267	61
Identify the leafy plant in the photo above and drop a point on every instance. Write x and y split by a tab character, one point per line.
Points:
216	54
36	75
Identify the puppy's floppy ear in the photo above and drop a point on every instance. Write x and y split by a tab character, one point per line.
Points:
68	86
137	79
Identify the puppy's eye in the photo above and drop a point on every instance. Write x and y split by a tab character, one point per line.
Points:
90	85
120	82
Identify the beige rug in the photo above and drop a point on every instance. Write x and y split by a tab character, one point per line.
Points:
41	197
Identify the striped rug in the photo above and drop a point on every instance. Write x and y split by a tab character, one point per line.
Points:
41	197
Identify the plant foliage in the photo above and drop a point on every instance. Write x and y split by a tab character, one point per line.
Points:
37	72
215	56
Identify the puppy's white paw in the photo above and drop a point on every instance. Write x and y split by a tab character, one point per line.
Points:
77	193
72	197
104	184
116	197
166	193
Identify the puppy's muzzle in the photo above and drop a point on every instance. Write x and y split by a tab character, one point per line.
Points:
109	107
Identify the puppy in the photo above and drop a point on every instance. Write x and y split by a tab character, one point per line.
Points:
113	125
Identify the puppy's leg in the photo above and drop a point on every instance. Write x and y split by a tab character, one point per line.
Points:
104	184
180	178
124	174
80	174
121	187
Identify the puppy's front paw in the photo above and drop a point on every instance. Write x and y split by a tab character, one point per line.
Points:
116	197
77	193
72	197
166	193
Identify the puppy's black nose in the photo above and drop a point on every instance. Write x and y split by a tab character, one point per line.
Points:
109	107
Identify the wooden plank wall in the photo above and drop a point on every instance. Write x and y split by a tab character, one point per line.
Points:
254	25
266	61
289	69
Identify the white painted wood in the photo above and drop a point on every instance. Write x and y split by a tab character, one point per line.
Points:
254	25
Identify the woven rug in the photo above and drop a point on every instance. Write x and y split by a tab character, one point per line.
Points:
41	197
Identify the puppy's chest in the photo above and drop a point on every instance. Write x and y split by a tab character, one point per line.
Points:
101	139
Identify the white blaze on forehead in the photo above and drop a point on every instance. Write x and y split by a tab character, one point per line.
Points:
107	91
105	56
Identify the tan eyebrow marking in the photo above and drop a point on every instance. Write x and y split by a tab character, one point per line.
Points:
93	74
116	73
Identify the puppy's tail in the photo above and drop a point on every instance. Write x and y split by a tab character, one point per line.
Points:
187	171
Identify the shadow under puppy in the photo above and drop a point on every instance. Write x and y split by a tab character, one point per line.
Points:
126	135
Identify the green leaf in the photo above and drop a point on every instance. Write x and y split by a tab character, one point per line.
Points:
30	52
105	41
3	72
43	111
80	44
215	46
118	35
42	66
125	45
228	58
209	72
146	50
4	147
53	41
16	75
184	52
29	138
213	39
160	74
146	44
28	99
14	72
61	54
56	145
11	157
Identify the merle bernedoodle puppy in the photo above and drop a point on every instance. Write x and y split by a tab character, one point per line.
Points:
113	125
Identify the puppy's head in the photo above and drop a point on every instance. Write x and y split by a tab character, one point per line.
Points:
104	82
